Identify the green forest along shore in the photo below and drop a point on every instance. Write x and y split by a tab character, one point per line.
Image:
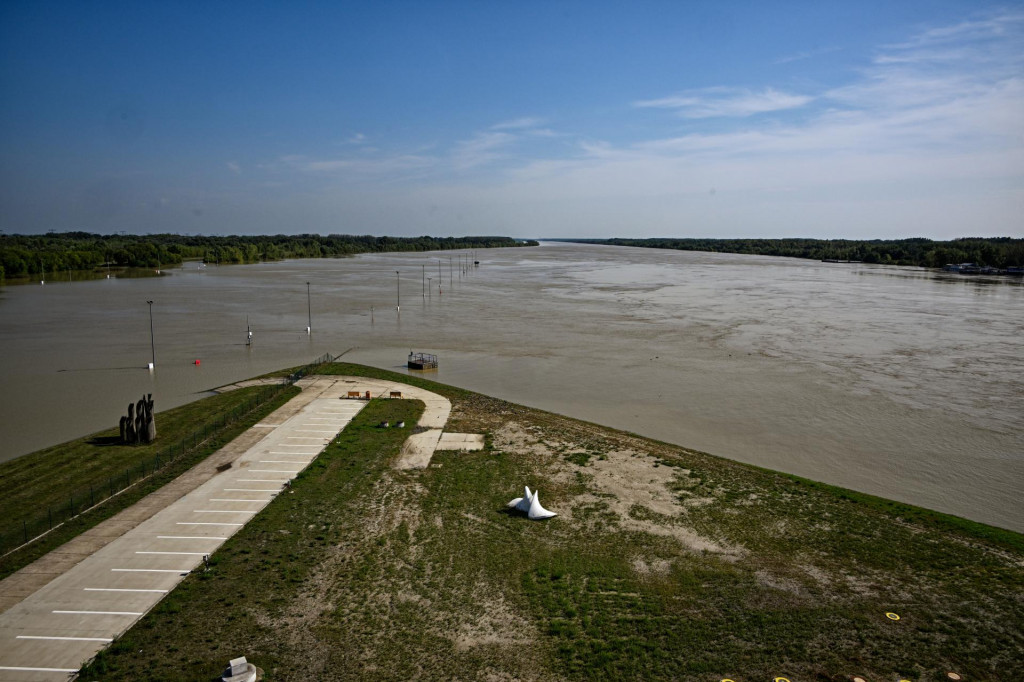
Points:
997	252
57	254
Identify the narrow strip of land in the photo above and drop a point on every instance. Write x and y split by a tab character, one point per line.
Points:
59	611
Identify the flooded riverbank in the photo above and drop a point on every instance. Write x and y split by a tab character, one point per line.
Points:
900	382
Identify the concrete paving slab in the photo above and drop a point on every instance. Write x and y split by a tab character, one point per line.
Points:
466	442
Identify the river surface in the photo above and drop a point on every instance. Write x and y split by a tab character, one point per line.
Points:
899	382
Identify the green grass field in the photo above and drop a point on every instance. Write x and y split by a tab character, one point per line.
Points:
50	483
663	563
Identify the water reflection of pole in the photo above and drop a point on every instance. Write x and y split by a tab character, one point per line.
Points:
152	342
451	272
398	292
309	310
430	281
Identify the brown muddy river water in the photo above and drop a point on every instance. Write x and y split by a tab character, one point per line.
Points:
899	382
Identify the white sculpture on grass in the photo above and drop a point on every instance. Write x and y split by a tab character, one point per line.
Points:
529	504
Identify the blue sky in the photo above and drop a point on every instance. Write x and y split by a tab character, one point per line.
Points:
718	119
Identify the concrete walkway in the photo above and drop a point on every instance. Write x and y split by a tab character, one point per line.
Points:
111	576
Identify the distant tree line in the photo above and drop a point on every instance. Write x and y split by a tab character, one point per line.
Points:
999	252
30	255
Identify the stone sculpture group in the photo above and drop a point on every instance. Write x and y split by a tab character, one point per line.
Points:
140	424
530	505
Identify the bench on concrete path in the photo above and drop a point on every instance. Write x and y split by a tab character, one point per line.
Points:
354	394
396	394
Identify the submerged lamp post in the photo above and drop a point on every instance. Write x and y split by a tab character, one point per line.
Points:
152	343
424	280
309	311
398	292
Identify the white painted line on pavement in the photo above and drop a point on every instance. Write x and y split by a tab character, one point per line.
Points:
151	570
207	523
68	639
119	589
252	490
273	471
38	670
177	553
220	511
260	480
101	613
281	461
188	537
223	499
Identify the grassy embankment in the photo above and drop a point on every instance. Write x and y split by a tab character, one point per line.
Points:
44	480
665	563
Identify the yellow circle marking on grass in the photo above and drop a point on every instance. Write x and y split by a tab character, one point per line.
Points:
892	616
781	679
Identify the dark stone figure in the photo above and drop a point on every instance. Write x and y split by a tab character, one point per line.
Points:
140	424
130	434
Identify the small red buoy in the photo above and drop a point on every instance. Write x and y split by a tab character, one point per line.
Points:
196	362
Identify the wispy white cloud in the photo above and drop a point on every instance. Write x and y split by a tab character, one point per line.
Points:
481	149
234	167
806	54
519	123
726	102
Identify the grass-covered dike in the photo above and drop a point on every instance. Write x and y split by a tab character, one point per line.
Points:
664	563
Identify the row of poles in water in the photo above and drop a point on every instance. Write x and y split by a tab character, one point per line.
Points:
466	263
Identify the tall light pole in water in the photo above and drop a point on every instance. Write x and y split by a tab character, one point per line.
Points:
152	343
424	280
398	292
309	311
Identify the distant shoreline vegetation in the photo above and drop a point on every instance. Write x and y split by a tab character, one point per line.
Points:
37	255
998	252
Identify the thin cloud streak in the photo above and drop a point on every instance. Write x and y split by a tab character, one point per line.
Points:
726	102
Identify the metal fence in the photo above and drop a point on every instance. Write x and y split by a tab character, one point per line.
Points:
83	499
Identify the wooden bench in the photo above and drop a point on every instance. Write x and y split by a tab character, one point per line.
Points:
354	394
396	394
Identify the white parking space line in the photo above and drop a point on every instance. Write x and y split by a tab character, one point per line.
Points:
151	570
101	613
119	589
67	639
188	537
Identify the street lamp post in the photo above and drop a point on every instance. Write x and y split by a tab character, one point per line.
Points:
309	311
430	281
152	342
398	292
424	280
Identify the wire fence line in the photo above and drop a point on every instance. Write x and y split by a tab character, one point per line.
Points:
16	536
